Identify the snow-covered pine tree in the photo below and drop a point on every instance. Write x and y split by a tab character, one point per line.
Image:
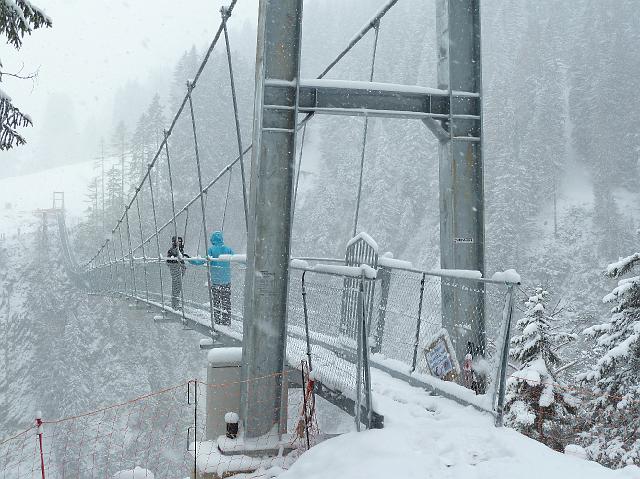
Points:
614	439
17	18
537	403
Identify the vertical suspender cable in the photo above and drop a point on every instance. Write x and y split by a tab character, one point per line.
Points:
186	223
295	190
157	235
226	200
124	266
144	255
376	29
132	267
204	217
112	264
226	13
173	220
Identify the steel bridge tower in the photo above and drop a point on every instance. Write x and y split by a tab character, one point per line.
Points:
453	115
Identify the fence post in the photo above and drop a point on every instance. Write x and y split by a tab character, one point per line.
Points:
385	276
306	318
359	336
365	357
195	428
416	341
39	434
501	377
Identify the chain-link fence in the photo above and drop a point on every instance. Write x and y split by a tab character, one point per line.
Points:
342	321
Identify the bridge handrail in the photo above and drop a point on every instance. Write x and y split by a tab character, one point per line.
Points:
465	275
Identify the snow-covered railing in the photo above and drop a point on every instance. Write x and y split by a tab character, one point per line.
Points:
404	318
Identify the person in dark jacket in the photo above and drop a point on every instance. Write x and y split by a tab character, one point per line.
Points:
220	272
177	269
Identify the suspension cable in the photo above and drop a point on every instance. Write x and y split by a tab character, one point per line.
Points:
222	28
144	255
186	222
175	226
204	215
157	235
295	191
226	201
376	29
226	13
131	264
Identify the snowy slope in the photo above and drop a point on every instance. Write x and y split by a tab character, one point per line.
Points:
429	437
35	191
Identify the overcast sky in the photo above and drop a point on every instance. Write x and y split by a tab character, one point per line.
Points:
95	46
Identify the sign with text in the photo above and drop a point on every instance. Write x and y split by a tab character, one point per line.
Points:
440	358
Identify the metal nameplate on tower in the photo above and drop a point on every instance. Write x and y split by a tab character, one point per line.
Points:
265	283
463	240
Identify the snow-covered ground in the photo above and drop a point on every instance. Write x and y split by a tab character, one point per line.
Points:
430	437
20	196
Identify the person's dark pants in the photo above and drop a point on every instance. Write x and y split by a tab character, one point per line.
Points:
176	285
221	303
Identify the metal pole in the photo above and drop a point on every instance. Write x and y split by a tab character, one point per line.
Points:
416	341
204	213
306	318
39	434
501	377
461	170
144	254
269	236
157	234
365	357
195	428
173	219
376	29
225	16
359	346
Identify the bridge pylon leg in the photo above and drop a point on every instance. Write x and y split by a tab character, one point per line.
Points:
263	395
461	171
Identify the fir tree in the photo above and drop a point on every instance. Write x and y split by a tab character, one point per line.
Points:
534	393
614	439
119	146
138	159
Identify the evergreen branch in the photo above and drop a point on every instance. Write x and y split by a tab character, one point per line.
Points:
11	118
623	266
20	17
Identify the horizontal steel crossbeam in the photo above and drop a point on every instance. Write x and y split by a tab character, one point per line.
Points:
351	98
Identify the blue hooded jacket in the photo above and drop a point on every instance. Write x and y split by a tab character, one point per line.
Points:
220	270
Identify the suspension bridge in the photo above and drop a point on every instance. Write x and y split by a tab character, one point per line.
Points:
335	320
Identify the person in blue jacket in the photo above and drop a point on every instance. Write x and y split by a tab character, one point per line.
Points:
220	272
